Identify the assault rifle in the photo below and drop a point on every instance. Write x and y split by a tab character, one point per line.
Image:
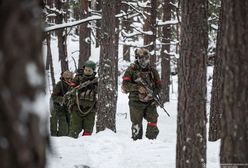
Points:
77	88
151	93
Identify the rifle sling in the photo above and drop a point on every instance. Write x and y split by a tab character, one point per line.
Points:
82	114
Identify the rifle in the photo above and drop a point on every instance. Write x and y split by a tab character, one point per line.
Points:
151	93
79	87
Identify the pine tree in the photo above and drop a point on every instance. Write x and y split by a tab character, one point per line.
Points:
191	120
234	123
107	90
23	134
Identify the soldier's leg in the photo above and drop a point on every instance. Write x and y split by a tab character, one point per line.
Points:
152	118
136	116
53	125
88	124
75	125
63	124
53	118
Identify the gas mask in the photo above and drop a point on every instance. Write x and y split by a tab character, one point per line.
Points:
143	61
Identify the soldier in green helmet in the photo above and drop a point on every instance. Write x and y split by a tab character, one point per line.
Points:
59	120
83	107
142	105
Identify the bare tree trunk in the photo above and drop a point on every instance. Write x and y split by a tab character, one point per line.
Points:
165	56
62	38
117	33
98	22
150	25
234	123
127	28
191	120
22	132
216	108
107	90
84	35
76	15
49	63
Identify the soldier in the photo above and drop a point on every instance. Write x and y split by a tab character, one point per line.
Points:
142	105
59	120
83	108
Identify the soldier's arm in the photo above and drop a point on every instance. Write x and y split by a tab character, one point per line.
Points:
128	85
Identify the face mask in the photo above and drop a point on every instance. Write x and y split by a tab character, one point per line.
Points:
143	61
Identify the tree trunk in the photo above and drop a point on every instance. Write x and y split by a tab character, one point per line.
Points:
117	33
234	123
23	134
191	120
49	64
127	28
62	38
107	90
76	15
84	35
98	22
216	108
165	56
150	25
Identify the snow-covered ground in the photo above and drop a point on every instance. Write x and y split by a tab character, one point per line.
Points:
117	150
107	149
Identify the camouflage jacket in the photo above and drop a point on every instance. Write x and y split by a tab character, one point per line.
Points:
59	91
86	94
134	71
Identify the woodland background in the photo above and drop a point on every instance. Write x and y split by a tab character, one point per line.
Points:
184	37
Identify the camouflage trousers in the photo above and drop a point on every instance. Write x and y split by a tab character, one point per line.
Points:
79	122
59	122
148	111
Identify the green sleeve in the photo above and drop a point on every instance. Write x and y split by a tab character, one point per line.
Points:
128	84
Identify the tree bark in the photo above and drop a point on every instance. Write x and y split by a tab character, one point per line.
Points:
191	120
216	108
23	135
234	123
49	63
150	25
127	28
107	90
62	38
84	35
165	56
98	22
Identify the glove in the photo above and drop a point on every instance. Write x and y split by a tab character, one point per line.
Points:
142	89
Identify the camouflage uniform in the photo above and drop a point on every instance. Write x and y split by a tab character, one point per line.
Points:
59	120
83	108
140	107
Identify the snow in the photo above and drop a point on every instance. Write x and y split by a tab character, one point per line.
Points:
71	24
107	149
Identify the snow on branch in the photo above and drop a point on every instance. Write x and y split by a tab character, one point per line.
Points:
169	22
71	24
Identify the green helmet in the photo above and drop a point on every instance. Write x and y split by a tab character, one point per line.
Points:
90	64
